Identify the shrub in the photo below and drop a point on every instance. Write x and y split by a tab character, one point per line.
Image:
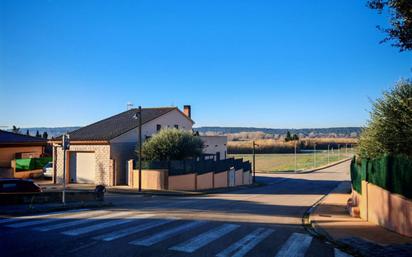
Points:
172	144
389	130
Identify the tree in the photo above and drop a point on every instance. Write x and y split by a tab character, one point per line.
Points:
27	132
45	135
15	130
295	137
400	12
288	136
37	134
172	144
389	130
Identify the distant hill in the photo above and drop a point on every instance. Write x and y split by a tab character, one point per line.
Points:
338	131
316	132
51	132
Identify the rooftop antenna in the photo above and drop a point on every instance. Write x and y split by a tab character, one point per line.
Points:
129	106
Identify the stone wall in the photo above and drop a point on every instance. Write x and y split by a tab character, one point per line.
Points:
103	163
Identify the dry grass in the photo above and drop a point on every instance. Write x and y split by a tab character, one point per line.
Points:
280	146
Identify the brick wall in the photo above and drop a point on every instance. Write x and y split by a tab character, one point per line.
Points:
103	164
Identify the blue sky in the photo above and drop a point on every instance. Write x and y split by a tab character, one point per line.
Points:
238	63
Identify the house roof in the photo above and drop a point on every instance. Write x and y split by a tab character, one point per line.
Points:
118	124
10	138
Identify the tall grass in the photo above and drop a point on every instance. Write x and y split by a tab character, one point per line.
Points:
280	146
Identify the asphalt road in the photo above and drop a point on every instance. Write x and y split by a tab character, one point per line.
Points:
260	221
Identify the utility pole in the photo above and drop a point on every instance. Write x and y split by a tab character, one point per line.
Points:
328	152
296	164
138	116
140	148
254	161
314	155
65	146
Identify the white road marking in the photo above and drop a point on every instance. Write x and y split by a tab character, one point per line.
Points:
339	253
151	240
43	219
132	230
107	224
90	217
295	246
7	220
247	243
203	239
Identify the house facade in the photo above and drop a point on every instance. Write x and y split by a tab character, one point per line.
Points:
99	152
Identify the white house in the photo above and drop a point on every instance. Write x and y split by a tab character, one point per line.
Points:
98	152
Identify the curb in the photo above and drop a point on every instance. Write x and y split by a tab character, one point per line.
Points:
307	171
315	230
70	206
149	193
326	166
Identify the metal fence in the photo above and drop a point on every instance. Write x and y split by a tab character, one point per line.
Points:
179	167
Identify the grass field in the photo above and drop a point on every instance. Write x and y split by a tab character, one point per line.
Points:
268	146
286	162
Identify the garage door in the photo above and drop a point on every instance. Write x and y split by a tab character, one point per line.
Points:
82	167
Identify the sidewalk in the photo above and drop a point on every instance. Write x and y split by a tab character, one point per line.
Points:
331	219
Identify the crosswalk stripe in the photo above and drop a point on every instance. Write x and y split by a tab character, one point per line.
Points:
151	240
132	230
89	217
295	246
339	253
7	220
203	239
107	224
43	219
247	243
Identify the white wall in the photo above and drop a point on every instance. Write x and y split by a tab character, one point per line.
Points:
123	147
148	129
214	144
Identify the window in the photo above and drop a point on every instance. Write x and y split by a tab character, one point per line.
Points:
158	127
176	126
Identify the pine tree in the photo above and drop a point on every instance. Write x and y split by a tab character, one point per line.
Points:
45	135
288	137
27	132
15	130
37	134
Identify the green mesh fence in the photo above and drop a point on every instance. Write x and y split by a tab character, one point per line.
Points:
32	163
378	172
393	173
356	176
401	180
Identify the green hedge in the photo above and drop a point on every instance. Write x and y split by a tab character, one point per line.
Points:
356	176
393	173
32	163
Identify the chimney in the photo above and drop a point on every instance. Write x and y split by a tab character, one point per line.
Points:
187	110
